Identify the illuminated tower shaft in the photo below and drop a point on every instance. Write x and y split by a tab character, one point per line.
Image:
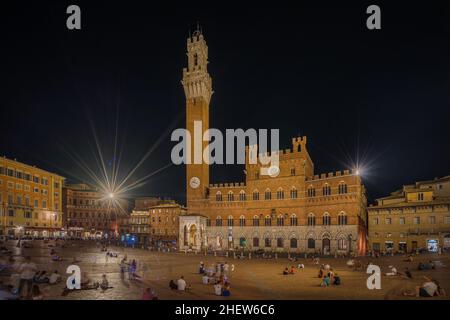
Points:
198	90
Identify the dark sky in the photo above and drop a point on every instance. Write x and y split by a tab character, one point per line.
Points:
309	68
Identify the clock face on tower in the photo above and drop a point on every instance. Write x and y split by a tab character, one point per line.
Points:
194	182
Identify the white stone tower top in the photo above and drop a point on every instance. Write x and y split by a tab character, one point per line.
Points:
196	80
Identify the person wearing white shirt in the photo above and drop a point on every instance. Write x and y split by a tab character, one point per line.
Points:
181	284
55	277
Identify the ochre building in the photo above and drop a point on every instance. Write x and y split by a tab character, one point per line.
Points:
296	211
154	221
89	213
416	217
30	200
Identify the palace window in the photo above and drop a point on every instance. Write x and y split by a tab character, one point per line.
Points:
342	244
280	242
255	195
280	221
293	193
401	220
326	219
292	171
342	188
311	192
280	194
294	221
256	242
326	190
230	196
230	221
267	243
293	243
208	222
242	195
242	221
388	221
219	221
219	196
432	220
255	221
311	243
342	219
311	220
375	221
267	221
267	195
420	196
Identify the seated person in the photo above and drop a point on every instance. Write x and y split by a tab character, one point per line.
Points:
181	284
428	289
286	271
205	279
325	281
292	271
54	278
173	285
104	284
301	266
226	290
337	280
218	289
393	271
56	258
320	273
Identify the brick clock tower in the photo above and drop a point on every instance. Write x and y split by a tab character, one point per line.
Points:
197	86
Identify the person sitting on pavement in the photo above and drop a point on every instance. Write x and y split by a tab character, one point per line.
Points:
218	289
337	280
428	289
54	278
226	290
286	271
104	284
173	285
393	271
181	284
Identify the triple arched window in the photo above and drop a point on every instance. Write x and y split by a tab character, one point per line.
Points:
326	190
242	195
294	221
255	195
293	193
280	193
280	221
230	196
219	196
342	219
311	220
342	188
326	219
311	192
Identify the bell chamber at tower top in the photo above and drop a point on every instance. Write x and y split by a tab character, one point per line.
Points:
197	82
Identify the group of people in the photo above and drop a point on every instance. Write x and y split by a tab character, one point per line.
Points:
179	284
218	276
328	277
43	277
130	267
288	271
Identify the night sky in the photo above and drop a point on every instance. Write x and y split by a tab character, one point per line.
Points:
305	67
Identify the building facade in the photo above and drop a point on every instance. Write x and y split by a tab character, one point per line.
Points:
416	217
153	221
89	213
30	200
294	210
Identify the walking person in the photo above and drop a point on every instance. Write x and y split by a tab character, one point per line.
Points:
27	271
